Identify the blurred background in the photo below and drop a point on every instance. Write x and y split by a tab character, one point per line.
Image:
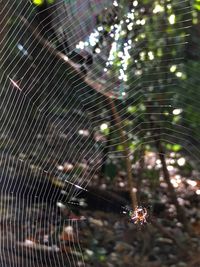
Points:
99	133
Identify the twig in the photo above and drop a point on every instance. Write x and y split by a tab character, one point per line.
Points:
98	88
180	212
131	184
69	63
161	152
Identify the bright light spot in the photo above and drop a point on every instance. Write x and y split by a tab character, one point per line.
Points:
100	28
172	154
135	3
112	51
81	45
115	3
142	22
83	204
121	184
158	8
15	84
170	168
120	54
181	162
97	50
123	33
138	72
177	111
171	19
69	230
174	182
191	182
178	178
130	16
198	192
142	55
63	192
150	54
83	132
138	22
125	79
122	76
60	167
38	2
60	205
158	161
104	126
93	38
172	161
89	252
134	190
179	74
65	58
68	166
21	48
78	186
173	68
29	242
130	26
169	6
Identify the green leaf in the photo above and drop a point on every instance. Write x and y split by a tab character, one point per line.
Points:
102	258
132	109
197	6
169	146
176	148
120	148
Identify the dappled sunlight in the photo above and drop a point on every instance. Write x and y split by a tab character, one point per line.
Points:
100	133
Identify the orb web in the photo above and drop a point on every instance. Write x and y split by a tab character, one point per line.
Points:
52	131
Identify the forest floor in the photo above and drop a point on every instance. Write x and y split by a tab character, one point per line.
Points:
99	234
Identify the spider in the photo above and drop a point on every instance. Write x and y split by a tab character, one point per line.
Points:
138	215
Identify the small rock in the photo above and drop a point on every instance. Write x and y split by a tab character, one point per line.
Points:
156	249
164	240
123	247
113	256
96	222
182	264
172	257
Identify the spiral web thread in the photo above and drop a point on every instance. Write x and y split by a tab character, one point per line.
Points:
36	139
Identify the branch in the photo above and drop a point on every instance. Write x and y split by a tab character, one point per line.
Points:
99	88
161	152
132	185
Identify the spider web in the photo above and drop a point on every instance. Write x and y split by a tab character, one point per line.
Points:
50	117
